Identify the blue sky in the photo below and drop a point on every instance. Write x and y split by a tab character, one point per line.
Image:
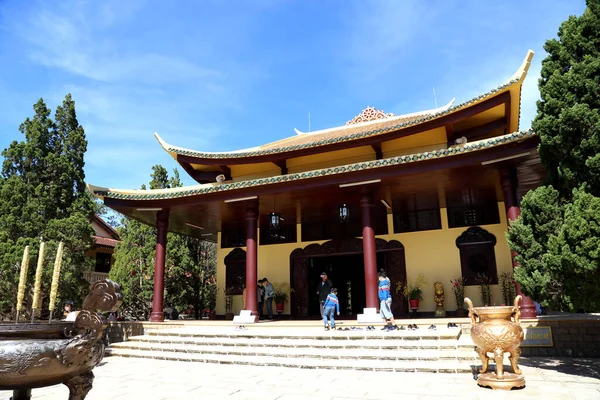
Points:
223	75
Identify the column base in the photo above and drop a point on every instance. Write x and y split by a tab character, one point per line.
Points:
157	317
527	308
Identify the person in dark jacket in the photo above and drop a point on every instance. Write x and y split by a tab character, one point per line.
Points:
323	291
269	294
331	306
260	296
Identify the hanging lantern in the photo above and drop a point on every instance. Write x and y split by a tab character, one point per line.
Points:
274	221
344	212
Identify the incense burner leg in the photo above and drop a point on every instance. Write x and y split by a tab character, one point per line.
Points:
514	358
499	359
21	394
80	385
484	360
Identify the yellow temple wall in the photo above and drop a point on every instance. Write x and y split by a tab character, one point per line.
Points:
431	253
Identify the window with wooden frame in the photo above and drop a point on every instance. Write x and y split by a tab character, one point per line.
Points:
477	256
472	207
417	212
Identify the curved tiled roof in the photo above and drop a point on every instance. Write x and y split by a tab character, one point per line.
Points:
216	187
349	132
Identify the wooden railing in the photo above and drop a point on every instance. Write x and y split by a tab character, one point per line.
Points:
92	276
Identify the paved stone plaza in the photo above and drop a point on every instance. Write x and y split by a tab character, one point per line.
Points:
129	378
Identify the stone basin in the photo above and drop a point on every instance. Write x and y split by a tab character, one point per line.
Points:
45	354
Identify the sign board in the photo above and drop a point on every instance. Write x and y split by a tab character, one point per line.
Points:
537	336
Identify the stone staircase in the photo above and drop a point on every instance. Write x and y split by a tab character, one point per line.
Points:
422	350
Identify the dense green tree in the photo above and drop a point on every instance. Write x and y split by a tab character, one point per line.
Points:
558	249
42	196
557	236
568	119
189	263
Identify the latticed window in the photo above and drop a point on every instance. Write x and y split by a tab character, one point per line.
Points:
472	207
417	212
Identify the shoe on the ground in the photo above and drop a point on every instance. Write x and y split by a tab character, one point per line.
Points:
432	327
385	328
394	328
402	328
326	328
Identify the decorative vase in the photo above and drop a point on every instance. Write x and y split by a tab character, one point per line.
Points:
497	330
414	304
279	307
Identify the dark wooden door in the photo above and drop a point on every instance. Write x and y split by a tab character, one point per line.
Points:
299	279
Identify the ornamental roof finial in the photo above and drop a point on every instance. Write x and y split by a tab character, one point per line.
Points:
369	114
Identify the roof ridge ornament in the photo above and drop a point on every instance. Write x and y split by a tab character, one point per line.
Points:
369	114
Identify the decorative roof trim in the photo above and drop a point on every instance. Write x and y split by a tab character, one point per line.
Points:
517	78
370	114
161	194
367	123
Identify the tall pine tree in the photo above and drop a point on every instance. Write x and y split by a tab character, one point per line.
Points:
43	197
557	237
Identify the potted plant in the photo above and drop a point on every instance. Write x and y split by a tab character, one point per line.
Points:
458	288
281	296
228	293
508	285
485	287
414	292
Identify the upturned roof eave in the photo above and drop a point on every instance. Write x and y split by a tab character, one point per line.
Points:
265	154
151	196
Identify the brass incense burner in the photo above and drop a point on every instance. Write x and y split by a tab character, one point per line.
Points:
497	330
45	354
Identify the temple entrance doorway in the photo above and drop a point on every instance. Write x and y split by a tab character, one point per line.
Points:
342	260
347	272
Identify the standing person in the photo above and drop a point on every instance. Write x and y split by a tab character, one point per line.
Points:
269	293
260	296
323	291
332	304
385	303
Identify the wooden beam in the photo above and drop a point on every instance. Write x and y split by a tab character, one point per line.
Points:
377	148
450	132
480	130
282	164
226	171
457	161
366	141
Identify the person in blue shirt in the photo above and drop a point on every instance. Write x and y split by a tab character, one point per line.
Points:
385	303
331	306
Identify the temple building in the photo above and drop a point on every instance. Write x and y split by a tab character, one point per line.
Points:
429	193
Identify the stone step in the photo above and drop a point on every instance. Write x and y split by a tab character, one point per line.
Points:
438	366
420	334
373	343
319	353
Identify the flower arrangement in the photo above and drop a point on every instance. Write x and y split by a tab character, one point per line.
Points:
485	286
508	286
412	291
458	288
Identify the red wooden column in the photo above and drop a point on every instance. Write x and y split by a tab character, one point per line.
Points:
510	183
162	224
251	257
370	258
